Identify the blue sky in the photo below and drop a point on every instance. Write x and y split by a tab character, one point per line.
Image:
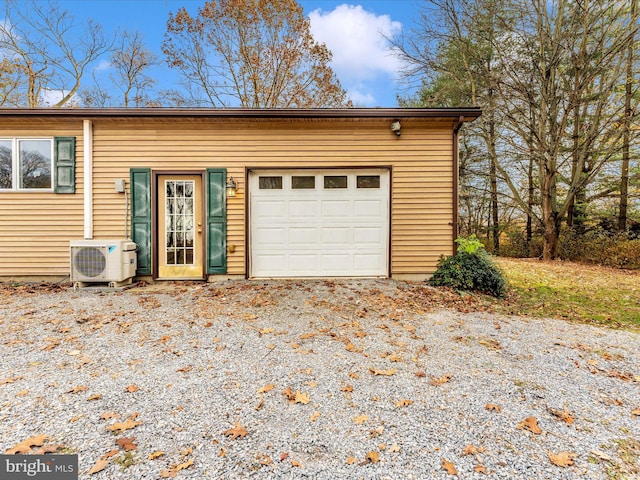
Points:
352	30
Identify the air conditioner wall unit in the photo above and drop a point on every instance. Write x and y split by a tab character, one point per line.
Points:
102	261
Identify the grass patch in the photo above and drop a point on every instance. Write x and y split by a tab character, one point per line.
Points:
572	291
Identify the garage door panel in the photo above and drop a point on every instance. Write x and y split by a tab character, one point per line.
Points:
333	229
276	263
333	209
369	262
369	208
302	264
337	236
335	263
303	237
272	235
270	209
368	236
303	210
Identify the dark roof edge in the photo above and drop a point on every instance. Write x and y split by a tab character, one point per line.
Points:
466	113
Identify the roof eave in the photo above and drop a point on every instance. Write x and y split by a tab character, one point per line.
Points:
465	113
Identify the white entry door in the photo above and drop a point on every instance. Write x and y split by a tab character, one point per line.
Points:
319	223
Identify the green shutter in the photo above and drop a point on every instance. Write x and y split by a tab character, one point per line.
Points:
216	220
64	160
141	217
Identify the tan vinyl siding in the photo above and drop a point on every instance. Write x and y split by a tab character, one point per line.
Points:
36	227
421	162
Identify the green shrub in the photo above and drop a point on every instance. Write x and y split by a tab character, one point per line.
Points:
469	271
470	245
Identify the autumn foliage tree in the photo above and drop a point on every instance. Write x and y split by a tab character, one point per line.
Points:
252	54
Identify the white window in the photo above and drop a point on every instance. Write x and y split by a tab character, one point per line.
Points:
26	164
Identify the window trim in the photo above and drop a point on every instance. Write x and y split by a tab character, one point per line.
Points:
15	164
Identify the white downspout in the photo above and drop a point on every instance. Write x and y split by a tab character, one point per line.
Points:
88	179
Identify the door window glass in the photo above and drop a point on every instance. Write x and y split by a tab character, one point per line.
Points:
180	214
368	181
306	182
335	181
270	183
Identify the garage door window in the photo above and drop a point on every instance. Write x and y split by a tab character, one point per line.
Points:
368	181
300	183
270	183
335	181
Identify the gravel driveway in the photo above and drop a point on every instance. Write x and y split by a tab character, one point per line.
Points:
317	379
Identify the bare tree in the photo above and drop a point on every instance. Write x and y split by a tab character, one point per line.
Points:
50	50
629	114
251	53
131	62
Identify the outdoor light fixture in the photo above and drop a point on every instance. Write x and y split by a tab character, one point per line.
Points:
395	127
232	187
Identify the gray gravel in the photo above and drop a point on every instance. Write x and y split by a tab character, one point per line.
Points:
384	369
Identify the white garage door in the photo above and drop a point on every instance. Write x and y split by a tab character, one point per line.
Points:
319	223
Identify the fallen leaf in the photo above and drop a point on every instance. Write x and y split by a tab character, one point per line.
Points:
132	388
472	450
314	417
562	459
601	455
126	425
185	465
127	443
531	424
186	369
99	466
295	463
109	415
97	396
394	448
437	381
287	392
301	397
635	412
449	467
394	358
360	419
480	469
266	388
403	403
22	393
386	373
48	449
78	389
237	431
10	380
373	457
26	445
563	415
354	375
154	455
420	374
351	460
305	336
110	454
492	406
347	388
284	456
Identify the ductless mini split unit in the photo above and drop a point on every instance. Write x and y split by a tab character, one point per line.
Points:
112	262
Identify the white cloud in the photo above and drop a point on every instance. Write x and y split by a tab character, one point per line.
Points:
102	65
361	54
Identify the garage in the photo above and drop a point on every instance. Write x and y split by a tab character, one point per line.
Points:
319	223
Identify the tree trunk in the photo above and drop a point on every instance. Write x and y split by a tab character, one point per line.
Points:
626	140
530	202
